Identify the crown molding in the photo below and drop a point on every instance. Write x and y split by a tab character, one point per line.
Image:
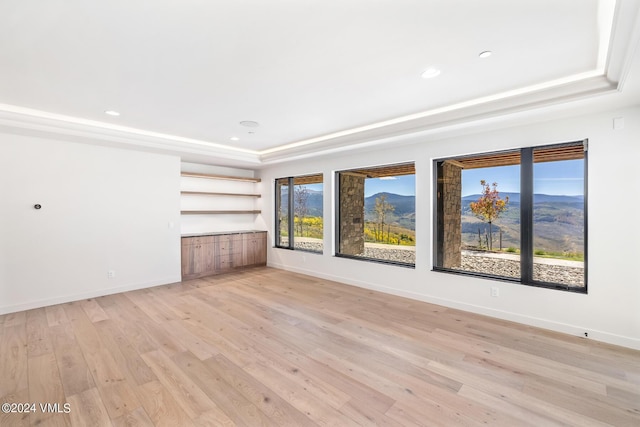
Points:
23	121
612	75
452	117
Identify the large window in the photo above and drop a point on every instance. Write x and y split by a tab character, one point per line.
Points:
376	214
299	220
516	215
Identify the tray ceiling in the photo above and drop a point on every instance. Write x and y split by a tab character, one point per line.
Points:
312	74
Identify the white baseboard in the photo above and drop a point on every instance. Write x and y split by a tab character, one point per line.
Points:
85	295
575	330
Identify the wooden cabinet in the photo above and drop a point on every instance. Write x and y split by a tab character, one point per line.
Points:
198	254
219	253
228	252
254	249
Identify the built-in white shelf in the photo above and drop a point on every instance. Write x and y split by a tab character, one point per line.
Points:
212	193
221	177
220	212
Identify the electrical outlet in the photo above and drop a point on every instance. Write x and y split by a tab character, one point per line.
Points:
495	292
111	274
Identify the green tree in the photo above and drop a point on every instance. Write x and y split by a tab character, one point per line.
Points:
489	206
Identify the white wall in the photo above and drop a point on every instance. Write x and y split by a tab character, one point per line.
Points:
610	311
102	209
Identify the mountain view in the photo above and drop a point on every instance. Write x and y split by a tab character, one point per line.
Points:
558	223
314	203
558	220
404	213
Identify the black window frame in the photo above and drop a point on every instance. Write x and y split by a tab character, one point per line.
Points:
526	220
337	234
290	213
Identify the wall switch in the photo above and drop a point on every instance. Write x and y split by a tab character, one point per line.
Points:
495	292
111	274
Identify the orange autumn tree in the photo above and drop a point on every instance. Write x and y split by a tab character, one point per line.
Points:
489	206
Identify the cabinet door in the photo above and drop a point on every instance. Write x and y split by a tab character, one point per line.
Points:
206	252
197	256
187	260
255	249
260	249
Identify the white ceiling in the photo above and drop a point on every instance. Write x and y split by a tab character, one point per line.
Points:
315	74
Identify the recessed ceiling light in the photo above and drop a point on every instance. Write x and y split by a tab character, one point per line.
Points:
234	138
250	123
485	54
430	73
112	113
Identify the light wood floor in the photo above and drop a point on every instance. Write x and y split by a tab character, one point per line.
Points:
268	347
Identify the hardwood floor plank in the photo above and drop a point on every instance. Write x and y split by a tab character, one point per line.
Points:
161	339
56	315
87	409
433	404
14	418
15	319
99	359
240	410
594	405
297	395
292	361
193	343
266	347
220	330
364	414
129	318
45	387
13	358
185	392
119	399
134	369
72	367
136	418
161	407
509	412
92	309
405	418
556	413
270	359
212	419
276	408
38	339
323	373
147	302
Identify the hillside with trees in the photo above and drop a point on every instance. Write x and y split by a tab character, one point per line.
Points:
557	220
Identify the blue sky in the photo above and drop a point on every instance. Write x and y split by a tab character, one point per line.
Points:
565	178
405	185
556	178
